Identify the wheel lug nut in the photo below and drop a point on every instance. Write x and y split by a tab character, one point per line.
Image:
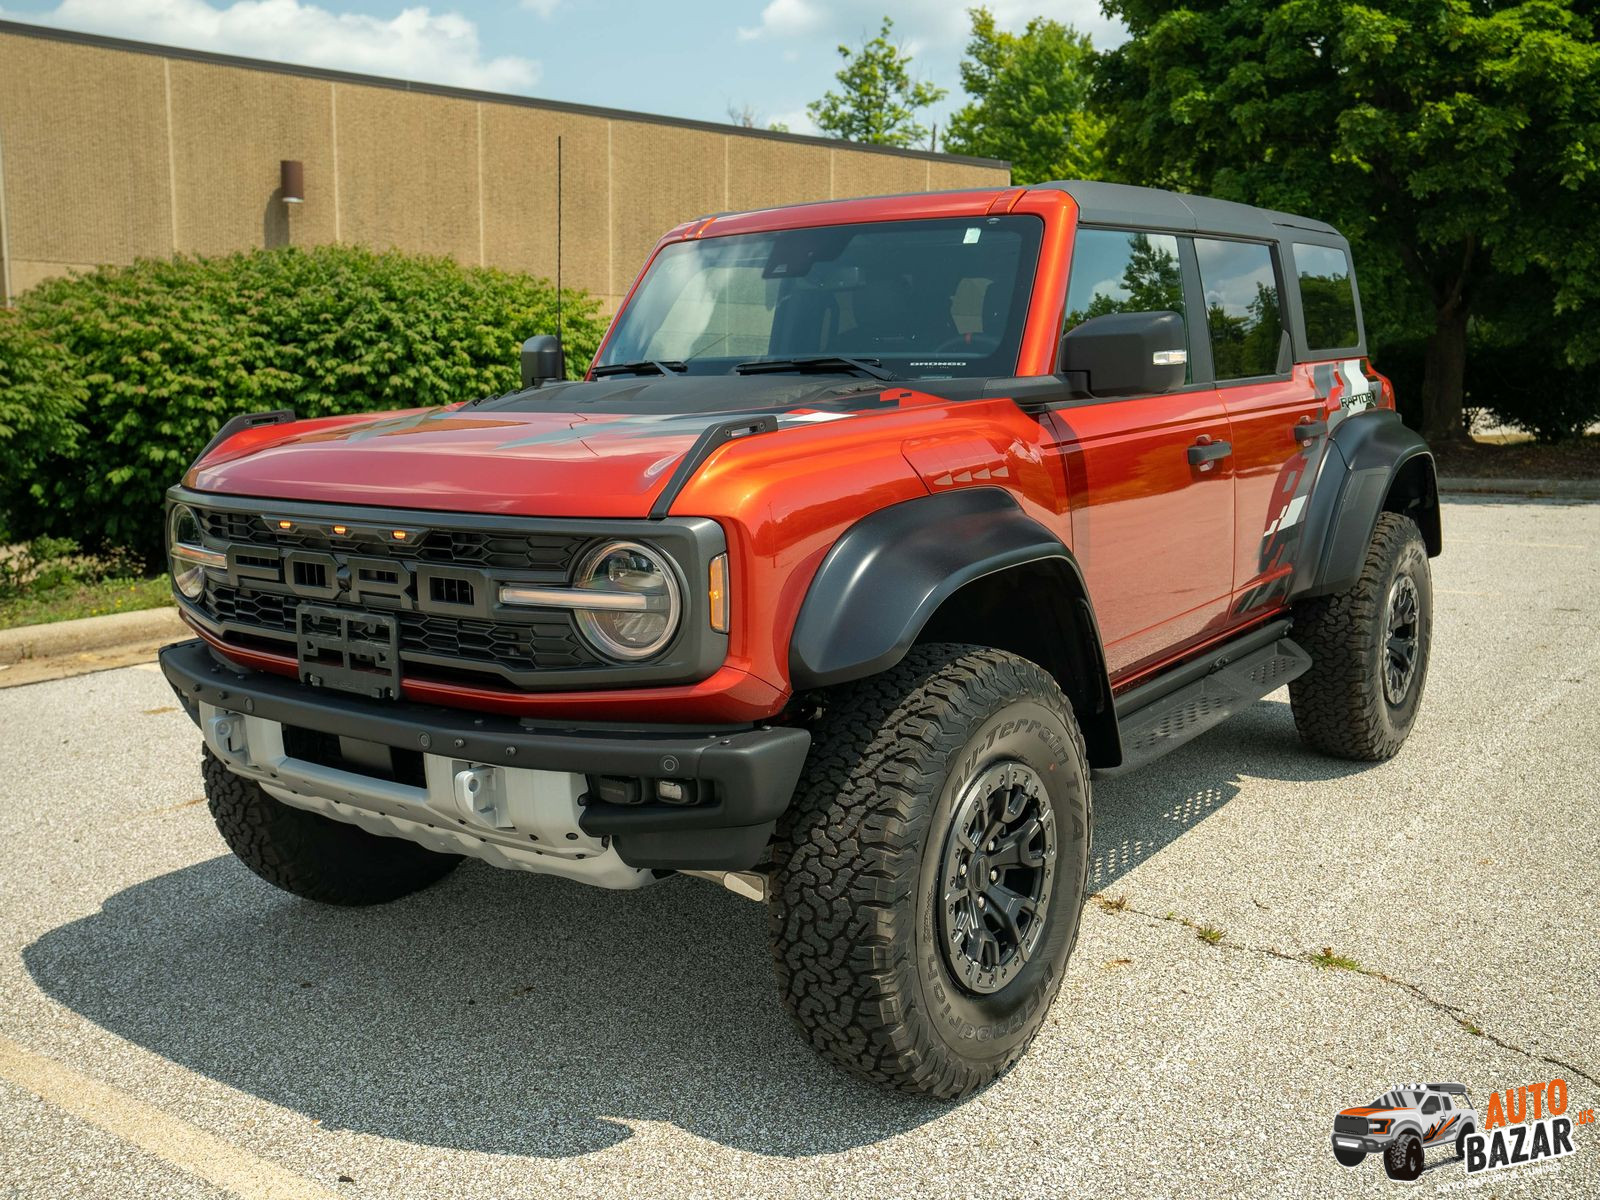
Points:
963	868
993	875
980	901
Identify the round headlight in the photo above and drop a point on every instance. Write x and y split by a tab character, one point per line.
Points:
636	603
183	529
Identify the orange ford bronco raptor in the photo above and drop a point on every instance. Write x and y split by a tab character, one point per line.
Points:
874	528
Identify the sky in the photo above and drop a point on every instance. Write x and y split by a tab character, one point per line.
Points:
692	59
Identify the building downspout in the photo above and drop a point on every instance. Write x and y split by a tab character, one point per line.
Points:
5	234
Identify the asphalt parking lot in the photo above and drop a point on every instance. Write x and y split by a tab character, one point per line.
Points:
171	1026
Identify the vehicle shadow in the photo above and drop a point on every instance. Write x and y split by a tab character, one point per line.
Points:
1138	814
514	1014
497	1012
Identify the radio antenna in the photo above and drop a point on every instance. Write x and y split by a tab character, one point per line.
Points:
561	344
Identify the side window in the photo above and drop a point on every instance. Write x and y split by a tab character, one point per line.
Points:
1242	308
1115	271
1326	297
1431	1104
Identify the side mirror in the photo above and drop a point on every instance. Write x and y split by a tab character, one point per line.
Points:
1126	354
542	361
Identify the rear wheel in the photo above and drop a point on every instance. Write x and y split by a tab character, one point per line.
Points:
310	855
1369	650
931	871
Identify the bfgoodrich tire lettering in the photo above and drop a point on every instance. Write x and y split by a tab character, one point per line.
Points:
310	855
1342	705
855	914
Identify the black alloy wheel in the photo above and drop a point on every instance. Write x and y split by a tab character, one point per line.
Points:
996	877
1400	647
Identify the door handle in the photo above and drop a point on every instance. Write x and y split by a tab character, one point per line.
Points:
1308	430
1205	452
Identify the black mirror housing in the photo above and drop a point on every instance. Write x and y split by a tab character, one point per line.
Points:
1126	354
542	360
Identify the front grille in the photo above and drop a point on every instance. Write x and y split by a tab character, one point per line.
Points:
547	644
439	575
1350	1125
552	553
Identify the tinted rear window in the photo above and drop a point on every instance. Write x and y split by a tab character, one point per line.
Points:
1242	308
1326	296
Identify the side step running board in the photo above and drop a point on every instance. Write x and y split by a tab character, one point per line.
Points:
1165	722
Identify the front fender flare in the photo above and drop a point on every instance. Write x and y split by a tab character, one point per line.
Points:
889	572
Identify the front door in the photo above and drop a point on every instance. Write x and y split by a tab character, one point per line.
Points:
1152	529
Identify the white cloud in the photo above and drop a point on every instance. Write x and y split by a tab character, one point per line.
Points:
415	43
788	18
543	8
927	25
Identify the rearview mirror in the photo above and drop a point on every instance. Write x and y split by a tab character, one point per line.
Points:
542	361
1126	354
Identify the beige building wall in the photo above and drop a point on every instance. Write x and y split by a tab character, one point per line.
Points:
111	151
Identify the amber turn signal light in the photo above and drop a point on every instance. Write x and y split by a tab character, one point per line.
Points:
717	593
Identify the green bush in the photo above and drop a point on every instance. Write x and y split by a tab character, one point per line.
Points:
41	398
162	352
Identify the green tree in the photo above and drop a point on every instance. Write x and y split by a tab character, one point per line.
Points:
880	100
1030	100
1456	142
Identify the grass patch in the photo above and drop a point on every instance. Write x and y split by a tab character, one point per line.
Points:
70	600
1111	904
1329	961
1209	934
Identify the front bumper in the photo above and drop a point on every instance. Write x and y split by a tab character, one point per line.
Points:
745	776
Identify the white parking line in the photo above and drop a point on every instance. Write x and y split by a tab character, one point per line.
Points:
171	1139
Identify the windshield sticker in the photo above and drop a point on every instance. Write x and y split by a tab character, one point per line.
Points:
972	235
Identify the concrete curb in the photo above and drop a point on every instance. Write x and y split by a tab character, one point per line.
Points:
89	633
1565	489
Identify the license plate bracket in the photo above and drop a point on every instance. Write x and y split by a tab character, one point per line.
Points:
348	650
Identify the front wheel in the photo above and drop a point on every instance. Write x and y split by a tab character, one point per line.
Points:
1402	1159
310	855
931	871
1369	650
1348	1156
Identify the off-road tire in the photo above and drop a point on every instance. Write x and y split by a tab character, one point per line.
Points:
311	855
1461	1140
1348	1157
1402	1158
1340	706
854	915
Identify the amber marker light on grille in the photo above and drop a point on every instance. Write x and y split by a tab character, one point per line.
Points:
399	535
285	524
717	593
341	530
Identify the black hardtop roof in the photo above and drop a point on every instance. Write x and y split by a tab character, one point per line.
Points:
1153	208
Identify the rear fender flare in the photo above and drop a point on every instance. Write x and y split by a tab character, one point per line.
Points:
1374	463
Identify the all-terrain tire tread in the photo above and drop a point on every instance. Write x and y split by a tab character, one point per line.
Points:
1338	704
842	920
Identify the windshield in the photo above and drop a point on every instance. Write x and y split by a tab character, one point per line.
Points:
918	299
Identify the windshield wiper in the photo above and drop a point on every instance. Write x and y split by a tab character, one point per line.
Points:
816	362
644	366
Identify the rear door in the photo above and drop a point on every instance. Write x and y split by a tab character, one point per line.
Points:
1278	421
1152	531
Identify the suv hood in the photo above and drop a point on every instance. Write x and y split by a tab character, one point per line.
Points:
595	449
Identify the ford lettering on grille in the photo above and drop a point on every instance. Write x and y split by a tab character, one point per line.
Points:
385	583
